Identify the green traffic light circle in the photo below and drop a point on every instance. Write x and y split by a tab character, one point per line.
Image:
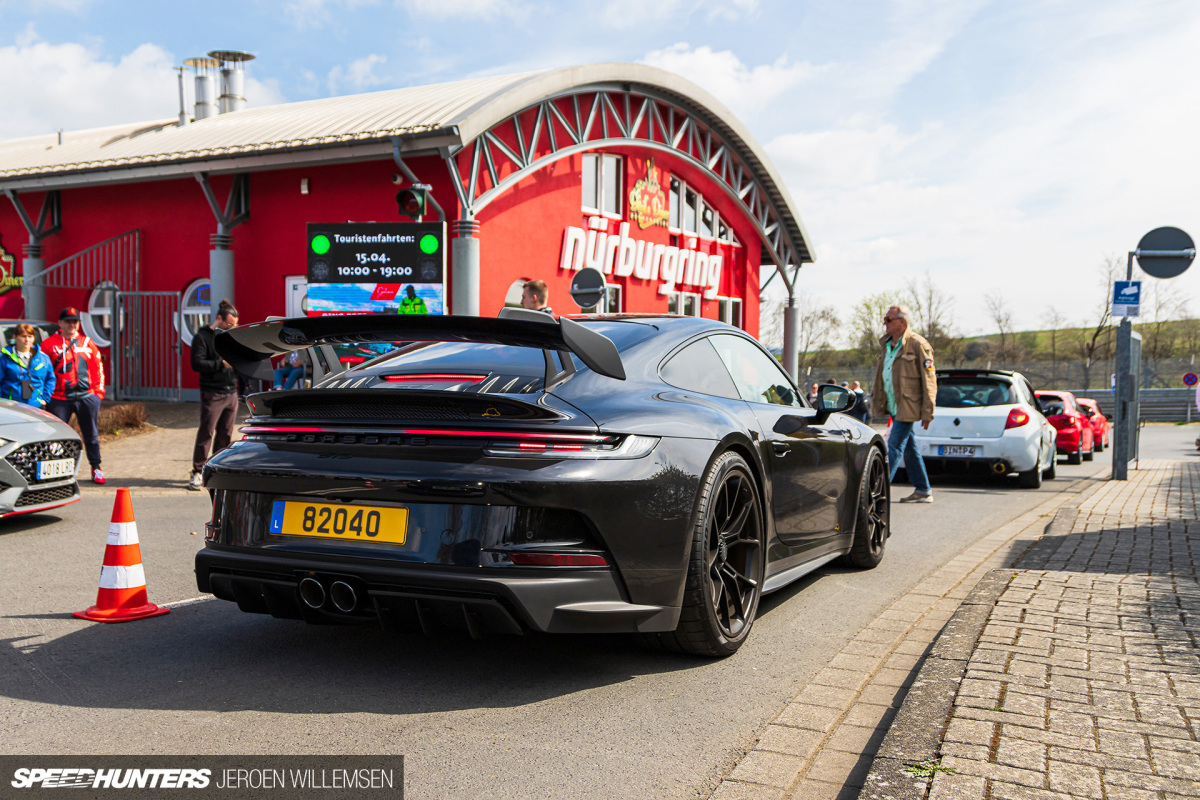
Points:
429	244
320	244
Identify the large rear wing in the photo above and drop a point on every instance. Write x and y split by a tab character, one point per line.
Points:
249	348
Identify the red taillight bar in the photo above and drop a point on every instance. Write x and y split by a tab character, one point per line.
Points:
434	376
352	359
553	437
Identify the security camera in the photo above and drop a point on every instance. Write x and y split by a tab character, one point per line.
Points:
397	179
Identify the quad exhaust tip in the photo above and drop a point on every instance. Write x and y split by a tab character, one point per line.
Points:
312	593
344	598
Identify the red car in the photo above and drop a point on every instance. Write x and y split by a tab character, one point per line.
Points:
1100	427
1075	438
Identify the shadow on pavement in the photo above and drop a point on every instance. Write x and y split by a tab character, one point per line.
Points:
210	656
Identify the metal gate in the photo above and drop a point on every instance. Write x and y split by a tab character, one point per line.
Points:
146	360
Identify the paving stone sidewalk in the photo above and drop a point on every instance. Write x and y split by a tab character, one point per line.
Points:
155	463
821	745
1075	674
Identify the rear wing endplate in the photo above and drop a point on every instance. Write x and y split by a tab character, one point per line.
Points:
249	348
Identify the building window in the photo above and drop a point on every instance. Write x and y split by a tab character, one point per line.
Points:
97	322
609	304
676	202
691	214
602	184
729	309
707	220
684	304
512	299
690	200
196	308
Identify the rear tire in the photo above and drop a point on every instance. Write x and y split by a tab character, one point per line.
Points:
1077	456
1051	473
1031	478
1098	447
1091	453
725	569
873	524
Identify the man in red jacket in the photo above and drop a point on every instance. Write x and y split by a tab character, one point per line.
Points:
78	383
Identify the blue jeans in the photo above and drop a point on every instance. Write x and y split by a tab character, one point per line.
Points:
287	377
903	440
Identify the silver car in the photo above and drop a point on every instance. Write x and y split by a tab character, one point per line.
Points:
39	456
988	421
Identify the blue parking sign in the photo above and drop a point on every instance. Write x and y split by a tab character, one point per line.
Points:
1127	296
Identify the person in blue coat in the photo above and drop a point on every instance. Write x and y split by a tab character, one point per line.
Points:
26	373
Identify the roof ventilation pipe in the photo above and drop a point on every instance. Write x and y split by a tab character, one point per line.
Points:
206	85
233	78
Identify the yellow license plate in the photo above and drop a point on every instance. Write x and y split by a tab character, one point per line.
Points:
340	521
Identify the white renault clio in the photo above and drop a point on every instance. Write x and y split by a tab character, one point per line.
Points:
988	421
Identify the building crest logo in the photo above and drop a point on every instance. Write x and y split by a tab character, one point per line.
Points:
648	200
8	277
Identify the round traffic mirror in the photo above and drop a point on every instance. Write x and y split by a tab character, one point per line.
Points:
587	287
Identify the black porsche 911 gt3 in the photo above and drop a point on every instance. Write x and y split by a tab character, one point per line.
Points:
652	475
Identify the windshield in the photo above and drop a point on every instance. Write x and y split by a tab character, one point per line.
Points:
972	392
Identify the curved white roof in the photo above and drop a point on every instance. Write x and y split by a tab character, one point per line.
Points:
351	127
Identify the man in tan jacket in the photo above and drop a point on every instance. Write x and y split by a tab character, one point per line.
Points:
905	388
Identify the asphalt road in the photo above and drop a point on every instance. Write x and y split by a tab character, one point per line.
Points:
531	717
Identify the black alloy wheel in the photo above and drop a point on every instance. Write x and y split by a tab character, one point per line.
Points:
873	526
725	571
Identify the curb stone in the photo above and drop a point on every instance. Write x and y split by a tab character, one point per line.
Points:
916	733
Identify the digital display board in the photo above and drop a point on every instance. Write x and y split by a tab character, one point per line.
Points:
376	268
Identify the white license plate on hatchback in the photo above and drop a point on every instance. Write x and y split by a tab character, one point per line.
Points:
955	450
57	468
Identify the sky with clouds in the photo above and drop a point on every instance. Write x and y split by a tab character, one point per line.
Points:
1006	146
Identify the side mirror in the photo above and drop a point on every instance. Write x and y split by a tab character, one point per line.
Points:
832	399
789	424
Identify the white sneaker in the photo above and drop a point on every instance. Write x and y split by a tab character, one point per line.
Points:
195	482
917	497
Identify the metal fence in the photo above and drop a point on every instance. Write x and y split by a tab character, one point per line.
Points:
146	361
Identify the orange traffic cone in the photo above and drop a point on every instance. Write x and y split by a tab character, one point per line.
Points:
122	593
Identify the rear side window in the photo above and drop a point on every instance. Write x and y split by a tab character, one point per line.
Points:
972	392
1051	406
698	368
758	377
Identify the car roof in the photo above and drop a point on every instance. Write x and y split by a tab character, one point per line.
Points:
961	372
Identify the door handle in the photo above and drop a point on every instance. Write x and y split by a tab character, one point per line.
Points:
781	448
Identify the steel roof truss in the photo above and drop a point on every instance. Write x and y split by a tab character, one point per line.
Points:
586	132
487	154
518	131
562	120
519	161
678	132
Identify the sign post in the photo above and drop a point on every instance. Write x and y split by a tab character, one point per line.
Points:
1161	253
